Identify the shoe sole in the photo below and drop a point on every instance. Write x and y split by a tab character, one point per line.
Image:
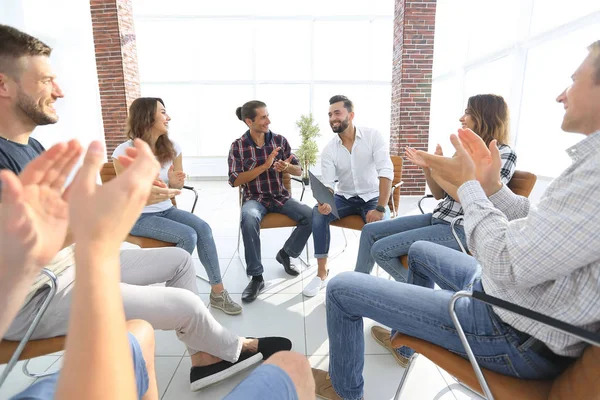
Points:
391	350
221	376
225	311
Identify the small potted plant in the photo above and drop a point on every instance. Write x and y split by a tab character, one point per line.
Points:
307	153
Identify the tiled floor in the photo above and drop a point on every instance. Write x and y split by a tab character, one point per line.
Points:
281	310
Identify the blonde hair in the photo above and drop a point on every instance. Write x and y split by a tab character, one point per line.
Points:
490	114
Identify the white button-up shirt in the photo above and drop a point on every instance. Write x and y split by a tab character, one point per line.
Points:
358	171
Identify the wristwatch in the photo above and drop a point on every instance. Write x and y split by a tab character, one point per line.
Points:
379	208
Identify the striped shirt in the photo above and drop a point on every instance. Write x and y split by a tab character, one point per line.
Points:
544	258
448	209
245	155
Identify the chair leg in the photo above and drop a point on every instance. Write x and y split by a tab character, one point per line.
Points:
411	363
15	357
33	374
345	245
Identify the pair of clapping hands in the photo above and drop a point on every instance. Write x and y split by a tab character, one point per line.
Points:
473	160
278	165
35	211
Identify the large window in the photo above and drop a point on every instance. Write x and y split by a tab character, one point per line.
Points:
524	50
207	58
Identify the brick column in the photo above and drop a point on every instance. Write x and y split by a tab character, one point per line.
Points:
116	62
414	27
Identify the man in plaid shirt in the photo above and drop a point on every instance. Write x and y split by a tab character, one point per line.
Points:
257	161
543	257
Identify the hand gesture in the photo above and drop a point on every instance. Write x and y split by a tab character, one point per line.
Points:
161	192
103	215
487	160
34	213
271	159
413	156
324	208
176	178
438	150
374	215
455	171
282	165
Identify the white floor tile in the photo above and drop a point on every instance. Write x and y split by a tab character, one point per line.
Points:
17	381
269	315
426	382
317	342
276	279
167	344
165	370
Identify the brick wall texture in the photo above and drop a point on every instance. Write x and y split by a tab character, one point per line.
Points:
116	61
414	28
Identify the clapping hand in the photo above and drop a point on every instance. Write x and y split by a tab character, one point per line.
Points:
282	165
34	212
176	178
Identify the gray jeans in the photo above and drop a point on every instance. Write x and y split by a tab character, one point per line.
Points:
174	307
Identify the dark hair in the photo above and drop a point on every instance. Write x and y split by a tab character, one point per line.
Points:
248	110
15	44
490	114
347	102
139	123
594	49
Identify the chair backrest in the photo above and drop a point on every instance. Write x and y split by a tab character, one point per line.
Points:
108	172
522	183
398	162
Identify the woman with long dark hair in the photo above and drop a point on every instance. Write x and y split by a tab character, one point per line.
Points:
148	120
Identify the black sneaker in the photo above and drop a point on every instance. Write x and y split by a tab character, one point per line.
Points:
284	260
201	377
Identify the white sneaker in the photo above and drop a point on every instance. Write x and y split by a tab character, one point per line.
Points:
315	285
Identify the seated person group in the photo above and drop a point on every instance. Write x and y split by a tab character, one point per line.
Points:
541	257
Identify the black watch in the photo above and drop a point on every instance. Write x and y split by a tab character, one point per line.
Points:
381	209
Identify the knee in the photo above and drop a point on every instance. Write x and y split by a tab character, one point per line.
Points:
144	334
182	258
340	282
378	251
317	218
298	369
251	217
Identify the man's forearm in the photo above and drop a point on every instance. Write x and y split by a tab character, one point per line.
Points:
97	332
385	189
295	170
249	176
15	282
436	190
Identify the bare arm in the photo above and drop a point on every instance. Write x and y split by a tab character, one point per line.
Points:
436	190
176	174
33	223
97	332
385	189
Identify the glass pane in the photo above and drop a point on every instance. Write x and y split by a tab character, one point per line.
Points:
221	8
447	106
541	143
286	103
495	77
548	14
493	25
450	45
372	104
290	40
342	50
203	116
382	49
192	49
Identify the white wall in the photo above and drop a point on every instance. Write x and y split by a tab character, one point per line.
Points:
66	26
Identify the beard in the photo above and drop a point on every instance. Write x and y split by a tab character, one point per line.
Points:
342	126
34	111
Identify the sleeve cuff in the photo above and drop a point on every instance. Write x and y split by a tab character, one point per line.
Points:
232	177
386	173
502	198
470	192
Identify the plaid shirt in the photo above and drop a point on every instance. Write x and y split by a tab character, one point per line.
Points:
448	209
544	258
245	155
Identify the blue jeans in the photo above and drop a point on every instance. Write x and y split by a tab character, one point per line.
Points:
187	231
44	389
252	214
385	241
417	310
346	207
266	382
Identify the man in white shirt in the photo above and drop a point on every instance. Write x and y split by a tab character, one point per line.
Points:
359	160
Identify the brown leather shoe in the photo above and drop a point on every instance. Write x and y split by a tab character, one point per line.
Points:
382	336
323	387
